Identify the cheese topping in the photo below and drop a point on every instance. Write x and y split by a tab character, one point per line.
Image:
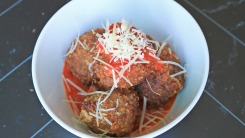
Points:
124	42
151	87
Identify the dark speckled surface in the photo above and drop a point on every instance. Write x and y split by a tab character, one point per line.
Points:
219	113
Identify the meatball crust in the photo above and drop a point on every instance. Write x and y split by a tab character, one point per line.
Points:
164	87
135	75
169	55
122	118
80	58
160	87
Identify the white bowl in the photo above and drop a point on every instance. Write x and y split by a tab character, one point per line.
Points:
156	18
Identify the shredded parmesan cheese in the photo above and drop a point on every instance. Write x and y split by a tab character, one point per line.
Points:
74	85
122	43
169	50
74	106
178	73
82	92
83	46
108	121
72	49
143	114
97	110
114	78
151	88
65	81
141	62
114	69
128	65
154	116
98	135
152	55
160	49
108	95
151	120
110	109
91	64
92	93
94	115
176	64
92	49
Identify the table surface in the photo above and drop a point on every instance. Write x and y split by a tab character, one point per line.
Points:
220	112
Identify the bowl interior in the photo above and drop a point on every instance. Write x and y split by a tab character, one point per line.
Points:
156	18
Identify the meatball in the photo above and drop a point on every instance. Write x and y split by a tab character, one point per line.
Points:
169	55
122	117
135	75
160	87
80	59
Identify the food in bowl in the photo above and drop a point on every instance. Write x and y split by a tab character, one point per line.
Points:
119	80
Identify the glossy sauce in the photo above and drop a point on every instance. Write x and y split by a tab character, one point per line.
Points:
72	92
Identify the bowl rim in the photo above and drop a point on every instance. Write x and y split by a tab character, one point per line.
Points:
152	134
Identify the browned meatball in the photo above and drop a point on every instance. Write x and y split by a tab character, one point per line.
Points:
164	87
122	118
160	87
171	56
80	58
136	75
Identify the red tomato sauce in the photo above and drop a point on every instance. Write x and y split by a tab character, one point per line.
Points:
72	92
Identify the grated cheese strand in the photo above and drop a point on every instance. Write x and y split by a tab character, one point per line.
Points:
149	118
173	63
122	42
160	49
108	95
75	86
169	50
178	73
92	93
72	49
96	58
147	114
65	81
98	135
92	49
94	115
128	65
109	109
82	92
98	35
143	114
141	62
114	69
108	121
74	106
114	78
97	109
91	64
151	88
154	56
83	46
152	120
